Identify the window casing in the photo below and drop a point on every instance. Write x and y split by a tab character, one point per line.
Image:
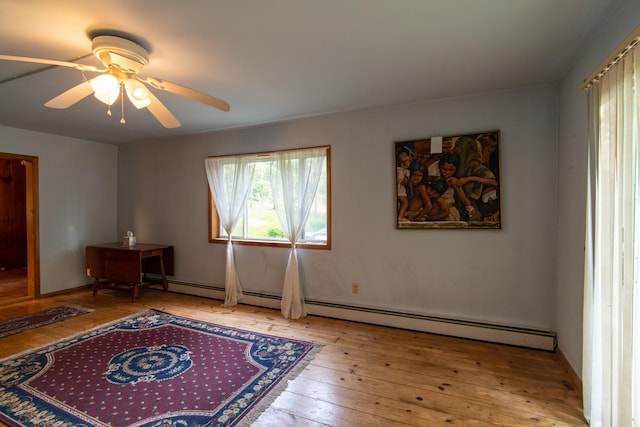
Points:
259	224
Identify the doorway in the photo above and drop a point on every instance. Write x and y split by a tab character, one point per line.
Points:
19	250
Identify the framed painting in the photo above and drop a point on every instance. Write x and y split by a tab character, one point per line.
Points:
449	182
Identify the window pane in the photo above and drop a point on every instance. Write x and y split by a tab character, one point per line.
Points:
316	229
260	222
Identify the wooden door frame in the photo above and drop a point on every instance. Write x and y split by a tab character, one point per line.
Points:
33	229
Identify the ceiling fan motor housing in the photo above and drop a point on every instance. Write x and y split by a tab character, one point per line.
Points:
120	53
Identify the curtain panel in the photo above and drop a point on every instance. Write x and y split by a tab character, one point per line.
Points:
611	334
230	181
295	175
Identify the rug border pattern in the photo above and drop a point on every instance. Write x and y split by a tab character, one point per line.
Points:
64	315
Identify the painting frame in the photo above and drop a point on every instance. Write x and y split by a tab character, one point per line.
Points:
449	182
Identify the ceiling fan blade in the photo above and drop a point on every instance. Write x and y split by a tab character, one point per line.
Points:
187	92
69	97
81	67
161	113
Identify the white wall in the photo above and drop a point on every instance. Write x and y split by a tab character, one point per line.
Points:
505	276
620	21
77	200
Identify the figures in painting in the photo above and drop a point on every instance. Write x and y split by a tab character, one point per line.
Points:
454	180
403	162
439	208
419	203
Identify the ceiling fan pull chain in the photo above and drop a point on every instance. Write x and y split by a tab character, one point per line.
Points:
122	120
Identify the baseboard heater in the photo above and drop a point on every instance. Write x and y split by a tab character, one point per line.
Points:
502	334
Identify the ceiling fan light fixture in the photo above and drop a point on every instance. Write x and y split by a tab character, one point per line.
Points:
123	59
138	94
106	88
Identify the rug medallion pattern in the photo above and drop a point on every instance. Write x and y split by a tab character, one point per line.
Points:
149	370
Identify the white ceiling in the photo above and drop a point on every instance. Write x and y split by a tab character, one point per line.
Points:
275	60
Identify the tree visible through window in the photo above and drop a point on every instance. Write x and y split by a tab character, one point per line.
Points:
259	223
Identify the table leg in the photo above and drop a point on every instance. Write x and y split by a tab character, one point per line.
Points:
165	284
96	285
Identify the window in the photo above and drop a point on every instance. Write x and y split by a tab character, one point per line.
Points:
259	223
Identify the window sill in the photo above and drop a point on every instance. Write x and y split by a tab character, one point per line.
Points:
272	243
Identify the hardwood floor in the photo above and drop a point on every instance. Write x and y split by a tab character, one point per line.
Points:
365	375
13	284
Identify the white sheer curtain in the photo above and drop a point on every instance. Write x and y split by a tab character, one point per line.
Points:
611	349
230	184
295	175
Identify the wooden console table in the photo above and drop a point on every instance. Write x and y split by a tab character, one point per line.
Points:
115	264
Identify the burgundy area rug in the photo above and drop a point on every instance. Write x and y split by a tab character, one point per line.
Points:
151	369
41	318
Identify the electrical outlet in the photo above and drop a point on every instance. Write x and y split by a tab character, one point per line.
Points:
355	287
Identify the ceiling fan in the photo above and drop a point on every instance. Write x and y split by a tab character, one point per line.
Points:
123	60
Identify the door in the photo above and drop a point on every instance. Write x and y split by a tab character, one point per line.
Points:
13	215
19	253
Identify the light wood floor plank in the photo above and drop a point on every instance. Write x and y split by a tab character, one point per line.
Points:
365	375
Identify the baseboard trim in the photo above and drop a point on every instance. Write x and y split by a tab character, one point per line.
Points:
481	331
64	291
